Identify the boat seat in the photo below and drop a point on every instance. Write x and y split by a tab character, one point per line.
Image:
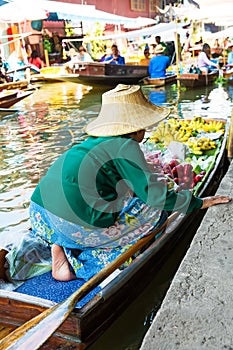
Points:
46	287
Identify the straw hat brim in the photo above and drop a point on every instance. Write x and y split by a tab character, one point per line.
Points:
159	49
126	112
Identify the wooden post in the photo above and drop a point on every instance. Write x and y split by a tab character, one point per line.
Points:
177	45
230	138
46	55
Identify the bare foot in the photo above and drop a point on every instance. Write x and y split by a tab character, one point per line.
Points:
60	265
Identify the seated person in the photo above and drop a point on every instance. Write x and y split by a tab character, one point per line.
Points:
216	50
159	63
107	54
115	57
84	56
76	58
82	206
36	60
146	60
203	61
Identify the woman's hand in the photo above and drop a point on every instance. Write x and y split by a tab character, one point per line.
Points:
214	200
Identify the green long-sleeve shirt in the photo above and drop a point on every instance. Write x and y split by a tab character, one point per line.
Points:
87	184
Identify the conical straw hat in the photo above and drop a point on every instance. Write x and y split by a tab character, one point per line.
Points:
124	110
159	49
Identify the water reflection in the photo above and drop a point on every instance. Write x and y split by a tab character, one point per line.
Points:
158	96
211	101
50	121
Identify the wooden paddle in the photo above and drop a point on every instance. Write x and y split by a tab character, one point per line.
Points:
32	334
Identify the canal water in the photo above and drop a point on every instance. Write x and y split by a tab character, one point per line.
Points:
49	122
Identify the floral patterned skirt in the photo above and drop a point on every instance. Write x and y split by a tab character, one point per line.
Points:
89	250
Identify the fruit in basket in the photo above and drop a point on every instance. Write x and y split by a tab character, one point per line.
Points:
183	130
179	176
199	145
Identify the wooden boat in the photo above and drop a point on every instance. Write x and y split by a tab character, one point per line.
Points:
49	74
10	102
7	111
8	94
154	82
192	80
104	74
89	320
21	84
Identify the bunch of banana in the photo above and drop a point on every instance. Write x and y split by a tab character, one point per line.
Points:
183	129
174	123
198	145
213	126
164	133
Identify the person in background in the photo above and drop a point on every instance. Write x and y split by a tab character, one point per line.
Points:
36	60
146	60
3	70
100	196
84	56
203	61
230	55
216	49
187	43
115	57
76	58
159	63
107	54
17	64
159	42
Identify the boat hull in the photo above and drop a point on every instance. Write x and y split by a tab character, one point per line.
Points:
7	111
192	80
10	102
22	84
153	82
105	74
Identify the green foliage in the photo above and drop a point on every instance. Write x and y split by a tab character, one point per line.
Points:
221	80
69	28
98	46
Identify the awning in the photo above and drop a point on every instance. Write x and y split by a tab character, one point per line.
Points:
21	10
88	13
153	30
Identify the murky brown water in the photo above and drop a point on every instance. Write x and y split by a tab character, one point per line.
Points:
51	120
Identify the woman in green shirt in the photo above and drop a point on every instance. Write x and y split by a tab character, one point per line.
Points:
100	196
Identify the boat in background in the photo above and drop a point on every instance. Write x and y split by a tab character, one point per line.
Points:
101	307
20	84
49	74
8	94
192	80
13	100
102	74
7	111
154	82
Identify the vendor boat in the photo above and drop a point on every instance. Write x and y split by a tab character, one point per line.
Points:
20	95
100	307
192	80
102	74
20	84
154	82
